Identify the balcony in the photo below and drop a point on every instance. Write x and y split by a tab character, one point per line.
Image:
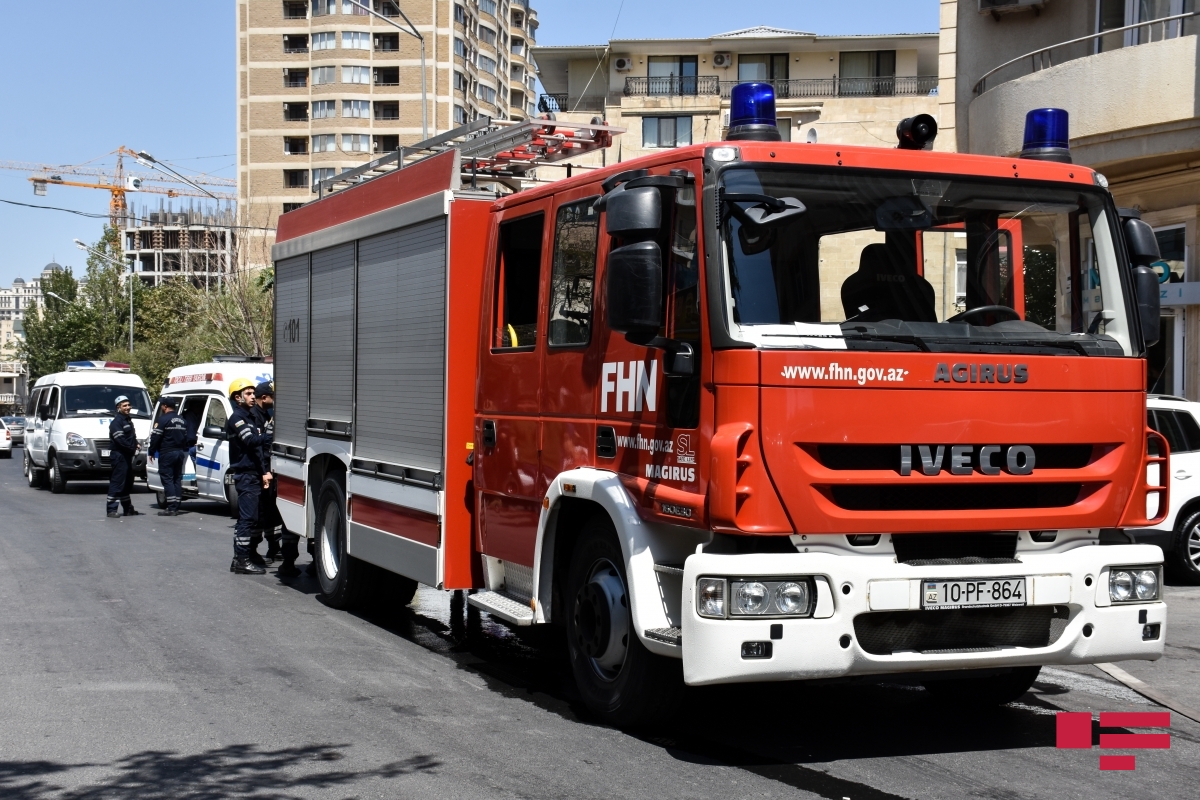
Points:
673	85
890	86
556	103
1130	108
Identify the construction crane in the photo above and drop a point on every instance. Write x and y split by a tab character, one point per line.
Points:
119	184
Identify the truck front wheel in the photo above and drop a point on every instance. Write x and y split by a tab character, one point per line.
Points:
340	575
621	681
984	690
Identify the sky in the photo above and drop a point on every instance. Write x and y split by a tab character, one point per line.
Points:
158	75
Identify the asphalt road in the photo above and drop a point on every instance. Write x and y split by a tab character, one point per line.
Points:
133	664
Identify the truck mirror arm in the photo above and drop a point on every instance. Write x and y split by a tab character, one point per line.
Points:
680	358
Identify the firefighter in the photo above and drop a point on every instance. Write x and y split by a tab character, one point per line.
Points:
170	441
246	445
124	448
268	511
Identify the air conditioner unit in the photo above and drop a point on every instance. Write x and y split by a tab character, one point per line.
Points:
622	63
722	59
997	7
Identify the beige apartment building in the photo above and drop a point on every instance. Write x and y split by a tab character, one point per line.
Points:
324	86
1128	74
668	92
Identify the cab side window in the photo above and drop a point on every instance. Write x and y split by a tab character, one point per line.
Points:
517	274
572	279
1179	428
217	416
49	404
35	398
193	410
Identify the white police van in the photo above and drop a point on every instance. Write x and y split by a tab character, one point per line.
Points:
67	418
202	394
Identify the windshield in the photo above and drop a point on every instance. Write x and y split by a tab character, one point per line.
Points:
943	263
82	401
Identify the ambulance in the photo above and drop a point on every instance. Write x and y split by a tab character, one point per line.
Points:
202	394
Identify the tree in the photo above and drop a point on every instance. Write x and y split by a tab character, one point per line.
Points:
60	330
106	291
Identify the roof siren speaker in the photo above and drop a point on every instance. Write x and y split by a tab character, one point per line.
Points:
915	133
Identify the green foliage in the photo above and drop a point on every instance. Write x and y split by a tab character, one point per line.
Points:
1041	278
61	331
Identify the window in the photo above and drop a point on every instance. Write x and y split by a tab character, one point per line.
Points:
323	75
460	14
356	40
324	143
216	416
295	178
356	143
324	41
666	131
324	109
868	73
517	276
487	35
294	10
486	93
291	207
321	8
460	115
518	46
387	110
460	81
349	7
387	42
295	112
763	67
295	43
1112	14
671	74
322	174
295	78
387	8
1173	249
487	65
488	7
356	74
572	277
1179	428
295	145
387	144
360	109
387	76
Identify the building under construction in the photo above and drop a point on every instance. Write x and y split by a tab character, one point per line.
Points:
194	243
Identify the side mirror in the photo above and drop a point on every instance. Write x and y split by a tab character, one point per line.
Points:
1142	244
1145	284
214	432
633	212
634	289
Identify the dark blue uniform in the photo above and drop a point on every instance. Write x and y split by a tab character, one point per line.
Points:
124	447
170	441
247	442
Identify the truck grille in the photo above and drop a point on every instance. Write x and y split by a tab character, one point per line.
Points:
921	549
954	497
101	445
883	633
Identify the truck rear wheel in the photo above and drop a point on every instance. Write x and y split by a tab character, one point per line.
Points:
341	576
36	477
621	681
984	690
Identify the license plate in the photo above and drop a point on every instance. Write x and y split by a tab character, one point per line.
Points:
104	454
977	593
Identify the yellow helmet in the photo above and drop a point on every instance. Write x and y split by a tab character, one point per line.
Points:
238	386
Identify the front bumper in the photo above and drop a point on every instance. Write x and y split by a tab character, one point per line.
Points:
827	646
87	463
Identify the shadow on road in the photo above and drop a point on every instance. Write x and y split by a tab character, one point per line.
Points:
231	771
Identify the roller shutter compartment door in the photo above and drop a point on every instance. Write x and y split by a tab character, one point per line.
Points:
332	363
291	351
402	347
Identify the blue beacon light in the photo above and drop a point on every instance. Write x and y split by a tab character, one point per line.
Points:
1046	135
752	113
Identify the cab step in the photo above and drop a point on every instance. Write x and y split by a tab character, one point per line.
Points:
503	607
669	635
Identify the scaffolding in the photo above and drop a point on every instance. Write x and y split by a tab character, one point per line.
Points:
196	243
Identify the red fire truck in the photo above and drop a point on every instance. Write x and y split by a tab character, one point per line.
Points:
740	411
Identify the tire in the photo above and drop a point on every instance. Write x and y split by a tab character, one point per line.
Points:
54	475
5	453
621	681
985	690
343	579
36	477
1183	557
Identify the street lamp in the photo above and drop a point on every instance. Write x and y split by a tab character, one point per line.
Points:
112	260
147	160
63	299
411	30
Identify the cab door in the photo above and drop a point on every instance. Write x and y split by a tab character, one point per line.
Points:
46	414
35	435
508	394
212	451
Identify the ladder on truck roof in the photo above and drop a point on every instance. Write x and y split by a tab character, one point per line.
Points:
491	150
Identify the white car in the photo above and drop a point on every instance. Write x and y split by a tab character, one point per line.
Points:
71	411
6	441
1178	420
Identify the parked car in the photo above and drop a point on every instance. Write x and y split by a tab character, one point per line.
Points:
1178	420
16	426
6	440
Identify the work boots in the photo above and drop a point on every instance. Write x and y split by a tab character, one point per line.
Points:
287	569
244	566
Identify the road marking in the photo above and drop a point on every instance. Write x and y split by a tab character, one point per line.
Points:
1148	692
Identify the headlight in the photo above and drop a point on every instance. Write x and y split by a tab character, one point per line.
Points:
710	597
1133	584
750	598
75	440
792	598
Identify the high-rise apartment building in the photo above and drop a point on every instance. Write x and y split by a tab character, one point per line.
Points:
324	86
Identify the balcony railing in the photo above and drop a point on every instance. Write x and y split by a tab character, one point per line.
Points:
673	85
890	86
1169	28
554	103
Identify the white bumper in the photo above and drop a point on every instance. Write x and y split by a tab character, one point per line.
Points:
826	645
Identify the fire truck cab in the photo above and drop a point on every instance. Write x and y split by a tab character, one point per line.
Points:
743	411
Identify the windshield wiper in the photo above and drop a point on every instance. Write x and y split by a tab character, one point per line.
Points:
902	338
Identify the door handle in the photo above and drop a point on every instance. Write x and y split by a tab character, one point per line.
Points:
200	447
1182	475
489	433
